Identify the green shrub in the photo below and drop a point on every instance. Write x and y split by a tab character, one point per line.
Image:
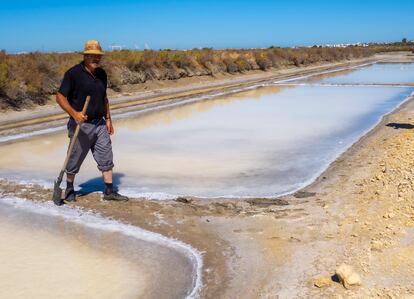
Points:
4	74
231	66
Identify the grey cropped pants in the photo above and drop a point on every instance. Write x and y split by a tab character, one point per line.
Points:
92	136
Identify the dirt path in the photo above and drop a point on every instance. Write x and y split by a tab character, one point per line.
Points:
360	212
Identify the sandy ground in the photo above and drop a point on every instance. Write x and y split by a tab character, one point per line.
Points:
360	211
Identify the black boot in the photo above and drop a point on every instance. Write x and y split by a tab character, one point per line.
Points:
115	196
111	194
70	195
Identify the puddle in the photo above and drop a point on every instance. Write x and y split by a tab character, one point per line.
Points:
50	252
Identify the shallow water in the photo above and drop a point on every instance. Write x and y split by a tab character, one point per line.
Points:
379	73
49	252
261	142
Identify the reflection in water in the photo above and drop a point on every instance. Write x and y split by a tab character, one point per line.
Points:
45	256
326	76
261	142
182	112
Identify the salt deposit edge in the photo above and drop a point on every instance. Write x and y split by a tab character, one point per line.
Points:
96	221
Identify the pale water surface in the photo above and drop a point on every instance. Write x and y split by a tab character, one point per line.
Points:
379	73
49	252
262	142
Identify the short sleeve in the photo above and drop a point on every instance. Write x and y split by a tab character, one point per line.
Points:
106	84
67	84
104	78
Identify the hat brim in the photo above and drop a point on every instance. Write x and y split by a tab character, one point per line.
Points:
96	52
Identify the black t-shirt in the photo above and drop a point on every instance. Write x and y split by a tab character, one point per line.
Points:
78	83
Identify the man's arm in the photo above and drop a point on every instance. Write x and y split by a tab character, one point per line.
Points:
79	117
109	125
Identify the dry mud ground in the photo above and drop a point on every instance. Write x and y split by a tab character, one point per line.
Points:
360	211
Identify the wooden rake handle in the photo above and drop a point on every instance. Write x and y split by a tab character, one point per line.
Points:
75	136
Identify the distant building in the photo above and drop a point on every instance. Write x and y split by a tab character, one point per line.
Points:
116	47
359	44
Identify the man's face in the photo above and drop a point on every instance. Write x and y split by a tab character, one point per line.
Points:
92	60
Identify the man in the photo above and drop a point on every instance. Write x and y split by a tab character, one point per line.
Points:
87	78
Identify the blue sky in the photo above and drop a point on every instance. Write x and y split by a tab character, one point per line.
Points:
65	25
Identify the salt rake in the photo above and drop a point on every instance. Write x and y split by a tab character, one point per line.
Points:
57	191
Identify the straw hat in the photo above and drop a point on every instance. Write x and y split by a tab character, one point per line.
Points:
93	47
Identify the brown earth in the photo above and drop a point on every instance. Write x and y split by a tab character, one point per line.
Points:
360	211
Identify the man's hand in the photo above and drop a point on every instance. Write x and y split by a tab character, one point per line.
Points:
109	126
79	117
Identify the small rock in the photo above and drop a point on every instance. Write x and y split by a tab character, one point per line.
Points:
376	245
389	215
183	200
322	281
265	202
389	227
347	276
304	194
